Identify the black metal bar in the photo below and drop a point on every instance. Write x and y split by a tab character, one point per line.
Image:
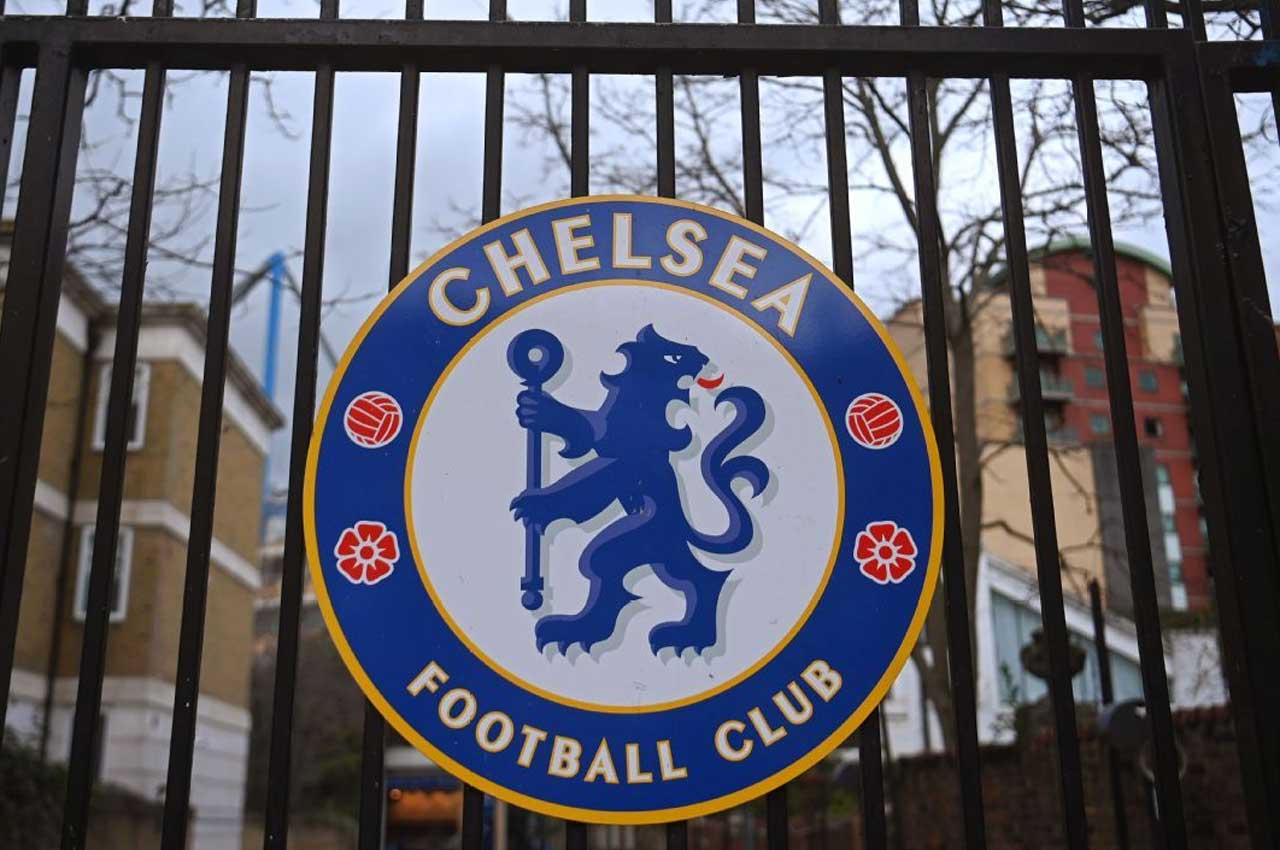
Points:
1193	19
1269	11
871	772
665	111
870	751
1048	567
1106	685
749	88
575	835
373	739
1108	697
28	327
495	90
837	160
276	820
1250	66
373	734
777	829
66	545
1220	337
936	300
204	485
208	446
406	161
124	360
93	654
935	297
1157	17
575	832
494	95
472	837
1128	457
1255	314
606	48
187	678
677	832
28	324
472	818
1231	484
678	835
579	117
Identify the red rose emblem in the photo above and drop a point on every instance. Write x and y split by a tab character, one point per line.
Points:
367	552
885	552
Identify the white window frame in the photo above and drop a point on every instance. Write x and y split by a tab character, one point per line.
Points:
141	395
1172	543
124	565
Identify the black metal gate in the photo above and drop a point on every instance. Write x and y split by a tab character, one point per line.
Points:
1226	326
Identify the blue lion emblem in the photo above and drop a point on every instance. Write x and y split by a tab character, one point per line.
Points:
632	441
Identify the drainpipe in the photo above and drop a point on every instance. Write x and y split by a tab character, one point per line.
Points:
276	262
68	533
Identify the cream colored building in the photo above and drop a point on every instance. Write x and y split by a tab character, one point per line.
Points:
1082	470
142	647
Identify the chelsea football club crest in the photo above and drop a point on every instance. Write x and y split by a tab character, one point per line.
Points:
623	509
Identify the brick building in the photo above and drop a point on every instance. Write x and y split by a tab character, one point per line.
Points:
1159	395
146	597
1083	471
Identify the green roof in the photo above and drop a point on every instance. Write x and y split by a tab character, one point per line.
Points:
1082	244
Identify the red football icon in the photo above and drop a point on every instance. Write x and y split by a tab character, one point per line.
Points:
373	419
874	421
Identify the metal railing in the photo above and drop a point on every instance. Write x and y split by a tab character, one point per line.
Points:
1203	182
1063	436
1047	342
1052	388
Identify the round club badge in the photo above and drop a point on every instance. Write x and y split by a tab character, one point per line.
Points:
662	523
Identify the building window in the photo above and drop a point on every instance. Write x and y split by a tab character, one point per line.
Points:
1172	545
119	594
1147	381
136	423
1097	340
1153	427
1099	423
1094	377
1012	623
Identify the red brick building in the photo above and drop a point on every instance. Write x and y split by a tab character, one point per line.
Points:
1159	393
1078	424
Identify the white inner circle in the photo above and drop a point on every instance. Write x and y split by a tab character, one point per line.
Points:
469	463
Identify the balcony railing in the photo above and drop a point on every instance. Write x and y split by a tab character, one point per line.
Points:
1062	436
1047	341
1052	388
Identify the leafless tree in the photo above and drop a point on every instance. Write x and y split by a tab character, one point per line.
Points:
103	188
709	169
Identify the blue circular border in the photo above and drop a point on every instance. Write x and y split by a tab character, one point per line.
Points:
389	631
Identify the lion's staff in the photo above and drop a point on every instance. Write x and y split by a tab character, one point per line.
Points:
535	356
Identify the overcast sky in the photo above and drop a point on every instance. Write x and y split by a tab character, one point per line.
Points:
447	190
